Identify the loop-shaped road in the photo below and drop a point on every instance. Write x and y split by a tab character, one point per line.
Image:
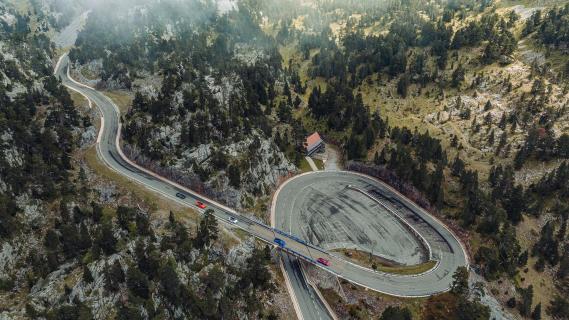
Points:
332	207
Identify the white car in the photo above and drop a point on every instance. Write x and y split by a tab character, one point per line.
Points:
233	220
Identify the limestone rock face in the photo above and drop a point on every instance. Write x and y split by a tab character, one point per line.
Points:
88	137
238	255
8	151
264	165
504	60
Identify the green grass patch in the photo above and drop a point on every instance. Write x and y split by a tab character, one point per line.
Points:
319	164
364	259
304	166
416	269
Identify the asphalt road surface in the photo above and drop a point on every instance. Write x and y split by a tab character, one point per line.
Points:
332	216
292	211
311	307
446	248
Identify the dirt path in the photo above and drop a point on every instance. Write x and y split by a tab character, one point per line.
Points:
331	158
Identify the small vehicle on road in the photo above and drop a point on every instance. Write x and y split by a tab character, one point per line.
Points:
323	261
280	242
200	204
233	220
180	195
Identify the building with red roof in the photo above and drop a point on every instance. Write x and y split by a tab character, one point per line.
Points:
313	143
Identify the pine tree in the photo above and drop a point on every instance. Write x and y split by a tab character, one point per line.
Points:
458	76
84	237
460	282
403	85
380	157
234	175
536	314
502	142
396	313
436	188
106	239
87	276
502	123
137	282
457	167
547	246
525	304
114	276
515	204
207	231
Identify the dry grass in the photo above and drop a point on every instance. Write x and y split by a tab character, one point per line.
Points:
408	270
529	3
363	259
78	99
122	99
22	6
260	208
88	74
160	205
370	303
543	286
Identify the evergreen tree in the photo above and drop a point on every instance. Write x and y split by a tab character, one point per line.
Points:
526	302
547	246
87	276
457	76
396	313
460	282
234	175
403	85
536	314
114	276
137	282
207	231
106	239
559	308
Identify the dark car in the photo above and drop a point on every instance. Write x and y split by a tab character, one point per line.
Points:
280	242
181	195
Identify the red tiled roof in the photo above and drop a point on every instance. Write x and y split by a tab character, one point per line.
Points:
313	139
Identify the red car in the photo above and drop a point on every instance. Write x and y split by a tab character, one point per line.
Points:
323	261
200	205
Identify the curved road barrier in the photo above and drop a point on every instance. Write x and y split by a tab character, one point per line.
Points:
404	222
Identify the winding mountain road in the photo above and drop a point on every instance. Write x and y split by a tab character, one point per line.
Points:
446	248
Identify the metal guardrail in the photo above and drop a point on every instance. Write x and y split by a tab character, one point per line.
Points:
410	208
406	224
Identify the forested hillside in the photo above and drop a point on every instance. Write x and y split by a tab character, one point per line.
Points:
37	124
74	245
462	105
203	88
